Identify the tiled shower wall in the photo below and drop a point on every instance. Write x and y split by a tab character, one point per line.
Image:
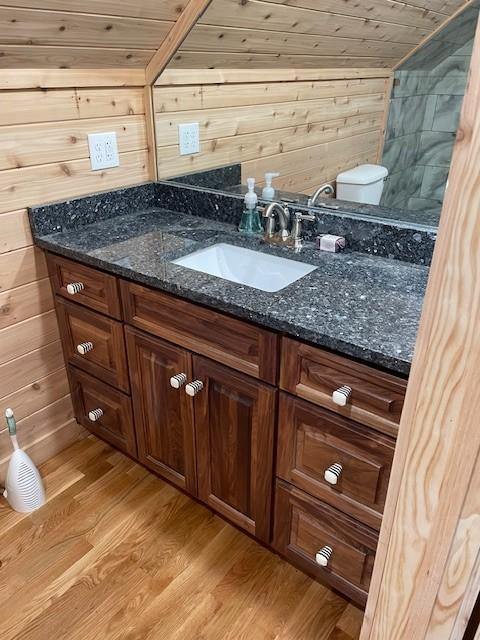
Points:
425	107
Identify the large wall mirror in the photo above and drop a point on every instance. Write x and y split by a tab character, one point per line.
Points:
273	90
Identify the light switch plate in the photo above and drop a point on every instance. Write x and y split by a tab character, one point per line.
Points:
103	150
189	138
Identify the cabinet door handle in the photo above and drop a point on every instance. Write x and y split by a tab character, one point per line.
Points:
75	287
95	414
178	380
323	556
84	347
342	395
333	473
193	388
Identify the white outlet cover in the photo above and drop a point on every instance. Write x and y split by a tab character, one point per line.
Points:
189	138
103	150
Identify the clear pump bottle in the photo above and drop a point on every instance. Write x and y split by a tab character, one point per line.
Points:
250	222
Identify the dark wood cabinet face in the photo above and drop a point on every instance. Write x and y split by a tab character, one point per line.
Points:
311	439
89	287
106	358
103	410
235	417
235	343
376	398
305	526
163	415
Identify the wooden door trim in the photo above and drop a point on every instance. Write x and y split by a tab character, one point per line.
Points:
432	522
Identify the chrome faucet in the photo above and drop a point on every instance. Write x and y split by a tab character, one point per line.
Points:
325	188
271	235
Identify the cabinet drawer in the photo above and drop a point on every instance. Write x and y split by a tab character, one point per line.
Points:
103	410
100	339
375	399
239	345
304	527
90	287
311	440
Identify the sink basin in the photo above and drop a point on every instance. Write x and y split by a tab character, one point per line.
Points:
252	268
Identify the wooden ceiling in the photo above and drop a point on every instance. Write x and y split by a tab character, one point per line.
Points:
84	33
119	34
311	33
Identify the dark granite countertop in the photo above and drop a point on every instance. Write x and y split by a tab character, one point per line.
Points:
362	306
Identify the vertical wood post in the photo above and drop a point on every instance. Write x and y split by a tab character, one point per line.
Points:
427	568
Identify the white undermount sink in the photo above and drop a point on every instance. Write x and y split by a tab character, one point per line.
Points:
252	268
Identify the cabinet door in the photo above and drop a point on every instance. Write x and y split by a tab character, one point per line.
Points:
163	415
234	418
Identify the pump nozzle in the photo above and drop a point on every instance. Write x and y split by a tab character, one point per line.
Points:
251	197
268	192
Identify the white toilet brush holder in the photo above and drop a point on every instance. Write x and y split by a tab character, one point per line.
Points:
24	489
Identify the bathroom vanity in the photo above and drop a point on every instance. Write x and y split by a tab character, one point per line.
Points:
279	411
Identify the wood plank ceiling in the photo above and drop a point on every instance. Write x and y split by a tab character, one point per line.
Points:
311	33
231	34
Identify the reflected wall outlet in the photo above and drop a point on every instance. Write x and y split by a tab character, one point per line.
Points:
189	138
103	150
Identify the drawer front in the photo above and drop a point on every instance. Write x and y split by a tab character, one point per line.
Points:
90	287
239	345
312	440
93	343
371	397
103	410
324	542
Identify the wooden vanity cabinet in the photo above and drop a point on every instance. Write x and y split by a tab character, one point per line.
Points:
235	421
217	444
212	432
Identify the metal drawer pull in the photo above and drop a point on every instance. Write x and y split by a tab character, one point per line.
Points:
75	287
193	388
84	347
95	414
323	556
178	381
342	395
333	473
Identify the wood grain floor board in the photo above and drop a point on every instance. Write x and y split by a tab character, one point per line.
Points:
117	554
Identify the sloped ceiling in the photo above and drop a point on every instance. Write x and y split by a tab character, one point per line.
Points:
231	34
310	33
84	33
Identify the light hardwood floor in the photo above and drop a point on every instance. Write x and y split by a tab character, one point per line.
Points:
117	553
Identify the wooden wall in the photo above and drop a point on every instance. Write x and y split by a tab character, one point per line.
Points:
44	157
311	33
308	130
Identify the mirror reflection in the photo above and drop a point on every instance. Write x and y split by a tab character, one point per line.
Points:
358	140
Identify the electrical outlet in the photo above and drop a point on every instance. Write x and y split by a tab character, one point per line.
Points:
103	150
189	138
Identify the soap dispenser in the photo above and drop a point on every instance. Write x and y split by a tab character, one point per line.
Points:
268	192
250	222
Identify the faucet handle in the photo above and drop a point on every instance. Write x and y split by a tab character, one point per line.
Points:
299	215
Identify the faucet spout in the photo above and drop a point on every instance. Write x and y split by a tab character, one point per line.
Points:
283	214
324	188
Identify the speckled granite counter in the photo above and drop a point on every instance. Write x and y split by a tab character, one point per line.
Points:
362	306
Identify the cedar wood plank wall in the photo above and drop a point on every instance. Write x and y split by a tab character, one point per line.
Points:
307	130
44	157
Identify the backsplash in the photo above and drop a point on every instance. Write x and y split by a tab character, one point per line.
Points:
425	108
393	240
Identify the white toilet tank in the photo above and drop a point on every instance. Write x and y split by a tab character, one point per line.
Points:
362	184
